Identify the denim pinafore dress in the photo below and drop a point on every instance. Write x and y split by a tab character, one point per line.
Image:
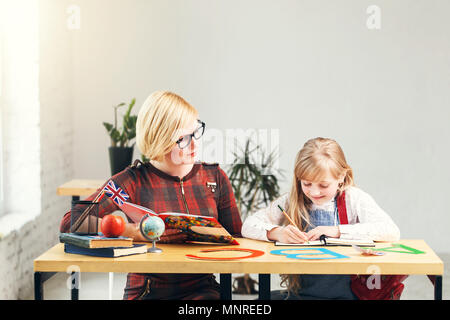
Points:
324	286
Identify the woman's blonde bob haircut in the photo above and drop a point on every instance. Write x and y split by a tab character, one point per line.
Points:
161	118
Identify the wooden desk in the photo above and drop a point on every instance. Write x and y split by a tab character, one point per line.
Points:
79	187
173	260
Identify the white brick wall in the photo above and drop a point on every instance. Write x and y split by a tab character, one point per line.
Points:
38	141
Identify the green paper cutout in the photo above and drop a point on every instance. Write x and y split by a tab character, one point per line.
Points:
396	246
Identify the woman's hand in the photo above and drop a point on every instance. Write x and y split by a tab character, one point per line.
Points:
287	234
169	236
329	231
173	236
132	231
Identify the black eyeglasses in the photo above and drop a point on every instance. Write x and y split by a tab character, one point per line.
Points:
184	141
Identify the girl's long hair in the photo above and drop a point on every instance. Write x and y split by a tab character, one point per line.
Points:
312	163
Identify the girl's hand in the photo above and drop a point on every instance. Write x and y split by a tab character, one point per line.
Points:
329	231
287	234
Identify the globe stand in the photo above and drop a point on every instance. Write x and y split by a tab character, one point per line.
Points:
154	249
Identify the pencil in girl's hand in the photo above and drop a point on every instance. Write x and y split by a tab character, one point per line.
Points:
289	218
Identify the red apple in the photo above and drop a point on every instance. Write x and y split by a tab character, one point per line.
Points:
112	226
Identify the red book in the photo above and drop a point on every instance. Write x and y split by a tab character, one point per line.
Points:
197	228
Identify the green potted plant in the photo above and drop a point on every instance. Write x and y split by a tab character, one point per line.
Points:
254	185
121	149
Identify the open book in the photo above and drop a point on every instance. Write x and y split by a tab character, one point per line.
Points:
324	241
197	228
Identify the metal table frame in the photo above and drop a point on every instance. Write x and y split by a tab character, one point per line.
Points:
225	285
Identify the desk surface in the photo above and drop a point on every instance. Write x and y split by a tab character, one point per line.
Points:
173	260
79	187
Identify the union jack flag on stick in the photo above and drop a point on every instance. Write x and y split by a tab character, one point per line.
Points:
115	193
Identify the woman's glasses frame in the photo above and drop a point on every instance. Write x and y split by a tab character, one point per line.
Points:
185	141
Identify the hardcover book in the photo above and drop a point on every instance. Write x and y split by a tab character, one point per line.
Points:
197	228
99	241
106	252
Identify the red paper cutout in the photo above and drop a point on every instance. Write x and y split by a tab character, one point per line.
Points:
253	254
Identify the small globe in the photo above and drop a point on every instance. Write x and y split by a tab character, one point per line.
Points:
152	227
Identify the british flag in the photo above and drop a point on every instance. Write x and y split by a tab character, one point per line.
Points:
115	193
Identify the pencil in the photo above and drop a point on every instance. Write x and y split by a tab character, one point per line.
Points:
289	218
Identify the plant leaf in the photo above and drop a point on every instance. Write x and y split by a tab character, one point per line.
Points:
108	126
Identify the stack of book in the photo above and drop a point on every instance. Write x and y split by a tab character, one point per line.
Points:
100	246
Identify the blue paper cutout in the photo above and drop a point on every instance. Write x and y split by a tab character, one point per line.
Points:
322	251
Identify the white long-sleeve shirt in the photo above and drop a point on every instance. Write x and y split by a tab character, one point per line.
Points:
366	220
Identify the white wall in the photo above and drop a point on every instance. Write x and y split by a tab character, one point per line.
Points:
308	68
38	139
21	129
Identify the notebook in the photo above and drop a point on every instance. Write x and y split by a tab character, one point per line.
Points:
324	241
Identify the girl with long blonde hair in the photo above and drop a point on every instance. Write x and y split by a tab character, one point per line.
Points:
322	177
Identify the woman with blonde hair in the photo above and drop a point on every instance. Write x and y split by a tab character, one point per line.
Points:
322	190
167	130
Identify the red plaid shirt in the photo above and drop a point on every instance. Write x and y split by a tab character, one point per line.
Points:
154	189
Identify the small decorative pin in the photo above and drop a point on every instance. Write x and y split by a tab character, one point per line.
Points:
211	185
